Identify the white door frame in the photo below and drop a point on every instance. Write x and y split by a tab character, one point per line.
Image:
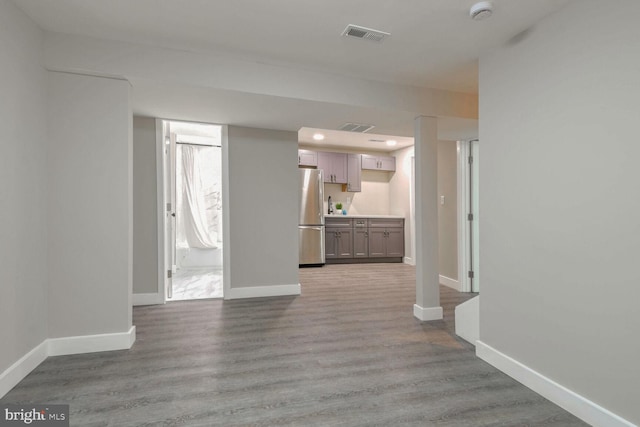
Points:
464	225
161	209
164	265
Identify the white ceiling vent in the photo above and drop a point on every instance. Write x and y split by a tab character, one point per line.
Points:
364	33
356	127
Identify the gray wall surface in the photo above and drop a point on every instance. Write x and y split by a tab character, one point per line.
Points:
145	199
89	180
263	206
560	196
447	213
23	189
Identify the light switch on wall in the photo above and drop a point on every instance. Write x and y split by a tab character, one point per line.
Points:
442	200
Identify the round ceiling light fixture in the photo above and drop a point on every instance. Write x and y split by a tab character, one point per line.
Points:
318	136
391	142
481	10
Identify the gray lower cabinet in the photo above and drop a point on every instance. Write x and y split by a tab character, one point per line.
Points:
377	247
386	238
338	243
395	242
386	242
364	240
360	243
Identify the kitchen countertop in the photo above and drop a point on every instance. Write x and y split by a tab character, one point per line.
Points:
364	216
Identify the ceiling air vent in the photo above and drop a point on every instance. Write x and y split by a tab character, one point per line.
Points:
355	127
364	33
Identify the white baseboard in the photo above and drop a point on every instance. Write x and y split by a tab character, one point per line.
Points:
60	347
451	283
147	299
263	291
467	318
27	363
408	260
574	403
426	314
92	343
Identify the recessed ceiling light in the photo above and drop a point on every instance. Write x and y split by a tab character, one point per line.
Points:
318	136
391	142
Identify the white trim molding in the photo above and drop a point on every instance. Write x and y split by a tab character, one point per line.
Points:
60	347
425	314
263	291
27	363
148	299
451	283
467	319
161	210
91	343
408	260
578	405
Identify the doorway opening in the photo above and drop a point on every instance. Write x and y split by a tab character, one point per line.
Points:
193	185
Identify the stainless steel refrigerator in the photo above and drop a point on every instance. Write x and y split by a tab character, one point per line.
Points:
311	218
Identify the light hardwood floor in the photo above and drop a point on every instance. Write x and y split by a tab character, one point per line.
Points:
347	352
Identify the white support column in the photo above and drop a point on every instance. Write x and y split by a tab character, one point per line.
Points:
427	305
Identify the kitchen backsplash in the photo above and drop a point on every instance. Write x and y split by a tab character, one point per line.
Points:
372	200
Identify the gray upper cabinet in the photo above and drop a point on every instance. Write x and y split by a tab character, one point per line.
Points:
354	173
378	163
334	166
307	158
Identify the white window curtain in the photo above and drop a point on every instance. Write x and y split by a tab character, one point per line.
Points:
198	198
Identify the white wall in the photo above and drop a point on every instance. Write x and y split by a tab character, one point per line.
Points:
399	195
373	199
89	177
263	206
399	203
23	188
145	216
170	66
448	212
560	196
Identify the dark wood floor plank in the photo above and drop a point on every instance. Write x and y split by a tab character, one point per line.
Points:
347	352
